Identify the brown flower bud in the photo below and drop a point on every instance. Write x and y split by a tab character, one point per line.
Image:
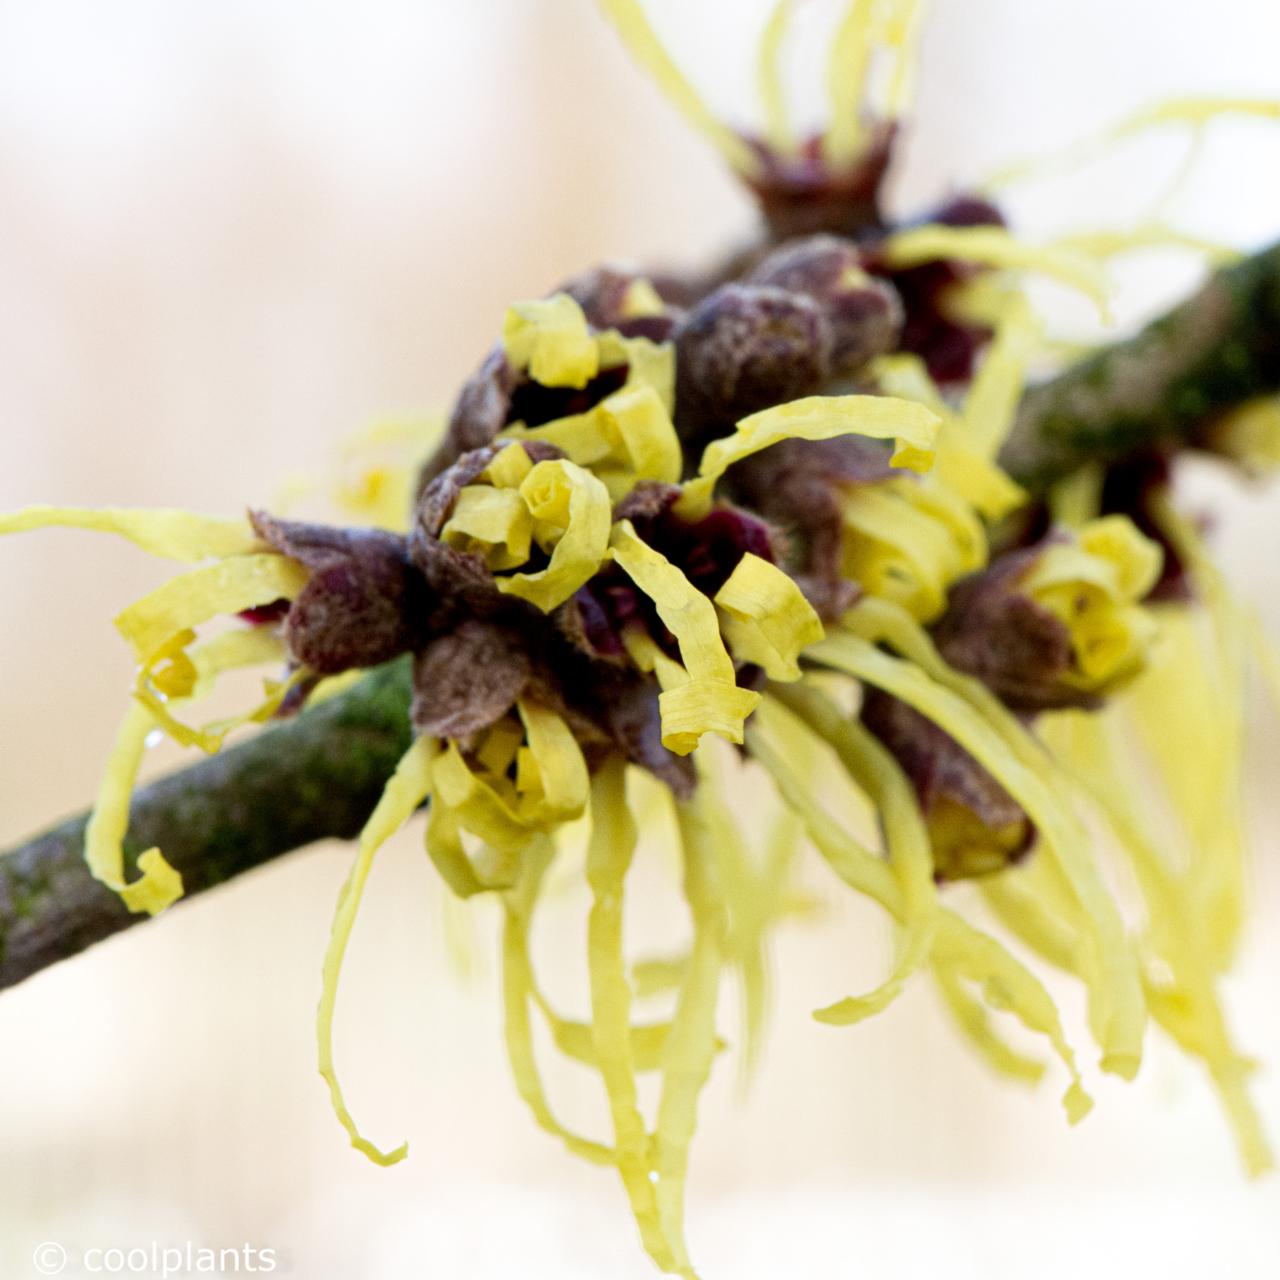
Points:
865	314
364	603
998	634
1059	624
746	348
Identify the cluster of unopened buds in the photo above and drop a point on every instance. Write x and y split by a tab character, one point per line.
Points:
763	506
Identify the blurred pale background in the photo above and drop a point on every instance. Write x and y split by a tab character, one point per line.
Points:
231	234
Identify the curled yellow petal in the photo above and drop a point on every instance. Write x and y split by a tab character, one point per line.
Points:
492	523
192	598
965	444
160	885
475	793
508	468
408	788
571	514
176	535
550	339
627	437
552	773
912	426
638	426
769	621
1091	585
710	701
908	540
174	674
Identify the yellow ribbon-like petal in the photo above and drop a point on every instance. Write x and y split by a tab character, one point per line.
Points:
710	701
912	426
160	885
492	523
176	535
627	437
227	587
908	540
571	514
768	619
996	247
408	788
550	339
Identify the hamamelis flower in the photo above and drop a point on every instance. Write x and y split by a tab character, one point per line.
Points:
764	507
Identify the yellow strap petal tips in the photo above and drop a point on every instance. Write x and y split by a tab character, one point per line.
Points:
176	535
609	854
884	783
912	426
977	721
691	1047
777	126
710	701
847	69
409	787
958	951
160	885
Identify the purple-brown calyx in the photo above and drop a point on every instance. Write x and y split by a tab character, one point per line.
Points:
802	195
363	605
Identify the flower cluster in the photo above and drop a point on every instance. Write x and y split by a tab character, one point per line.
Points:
763	506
